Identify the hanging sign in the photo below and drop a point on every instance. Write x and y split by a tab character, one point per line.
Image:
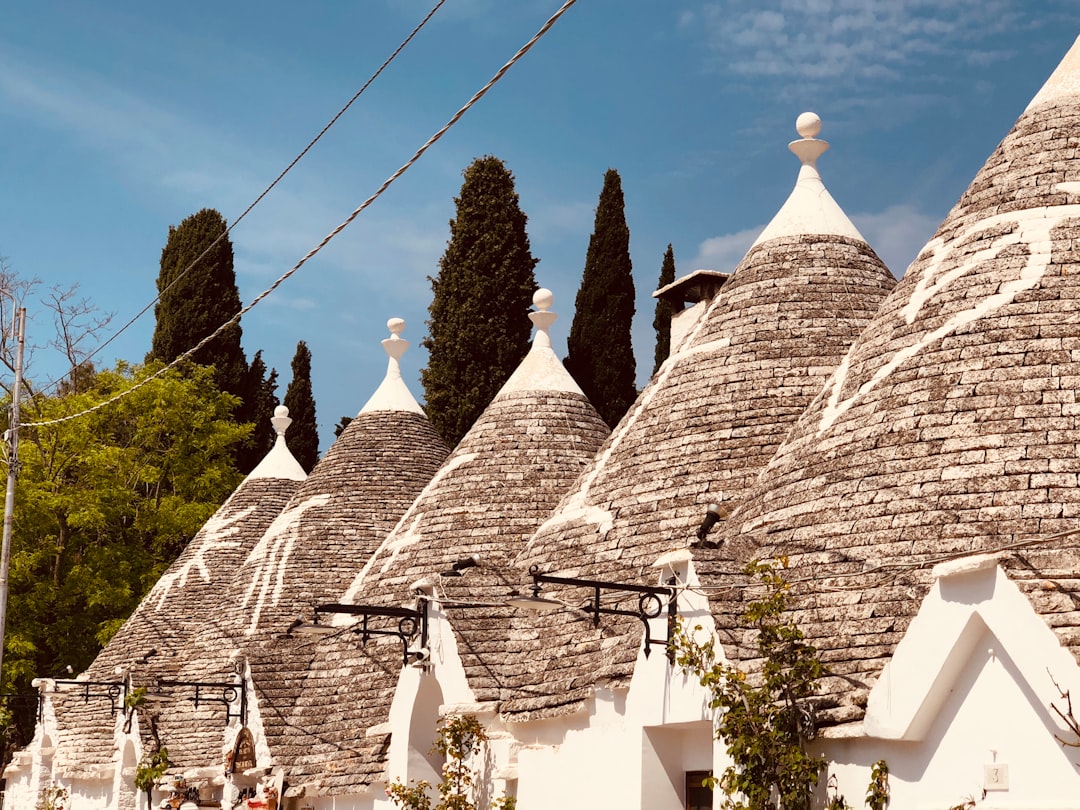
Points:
243	753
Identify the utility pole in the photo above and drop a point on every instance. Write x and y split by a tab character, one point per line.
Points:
12	473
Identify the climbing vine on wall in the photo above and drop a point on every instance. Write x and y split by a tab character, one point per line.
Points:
458	738
766	719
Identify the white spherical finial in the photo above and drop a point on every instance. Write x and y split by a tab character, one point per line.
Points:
808	125
281	420
543	299
395	325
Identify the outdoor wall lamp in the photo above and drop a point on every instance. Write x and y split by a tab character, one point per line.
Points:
713	515
410	622
462	565
232	692
651	603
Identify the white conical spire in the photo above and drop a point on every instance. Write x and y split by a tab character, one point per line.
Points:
279	462
392	394
1064	81
810	209
541	370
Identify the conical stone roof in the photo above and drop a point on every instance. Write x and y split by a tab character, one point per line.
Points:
952	425
502	480
149	643
308	555
711	417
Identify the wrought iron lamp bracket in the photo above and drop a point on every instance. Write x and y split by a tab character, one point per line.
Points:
113	690
652	601
232	692
410	622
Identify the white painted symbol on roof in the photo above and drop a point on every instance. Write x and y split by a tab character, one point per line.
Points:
1033	228
270	558
212	539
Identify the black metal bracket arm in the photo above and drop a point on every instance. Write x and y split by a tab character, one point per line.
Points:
651	603
113	690
232	692
410	622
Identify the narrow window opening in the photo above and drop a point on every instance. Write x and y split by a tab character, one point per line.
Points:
698	796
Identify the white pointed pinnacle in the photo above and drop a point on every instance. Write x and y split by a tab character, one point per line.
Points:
281	420
392	393
542	318
395	345
809	148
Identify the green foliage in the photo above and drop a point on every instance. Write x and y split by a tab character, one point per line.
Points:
343	423
151	768
104	504
303	435
135	698
479	328
458	738
53	797
877	792
662	320
192	305
836	800
764	720
257	408
600	354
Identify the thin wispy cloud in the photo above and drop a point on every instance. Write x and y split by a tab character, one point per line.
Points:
724	252
547	221
169	154
896	234
851	41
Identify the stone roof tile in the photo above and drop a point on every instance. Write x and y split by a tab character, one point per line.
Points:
950	427
701	430
149	643
504	477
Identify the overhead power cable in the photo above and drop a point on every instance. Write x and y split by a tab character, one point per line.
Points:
265	191
326	240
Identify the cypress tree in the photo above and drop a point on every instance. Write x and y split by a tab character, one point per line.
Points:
600	355
479	328
194	304
662	320
304	432
257	409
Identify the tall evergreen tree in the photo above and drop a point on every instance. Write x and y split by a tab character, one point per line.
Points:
479	328
304	432
193	304
600	355
257	409
662	320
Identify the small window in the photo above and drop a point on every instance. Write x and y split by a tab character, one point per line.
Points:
698	795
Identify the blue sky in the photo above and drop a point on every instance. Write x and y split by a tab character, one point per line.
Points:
119	119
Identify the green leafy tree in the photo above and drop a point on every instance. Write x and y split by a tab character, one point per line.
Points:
766	718
458	739
304	432
343	423
479	328
257	409
600	354
194	303
662	320
104	504
150	769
